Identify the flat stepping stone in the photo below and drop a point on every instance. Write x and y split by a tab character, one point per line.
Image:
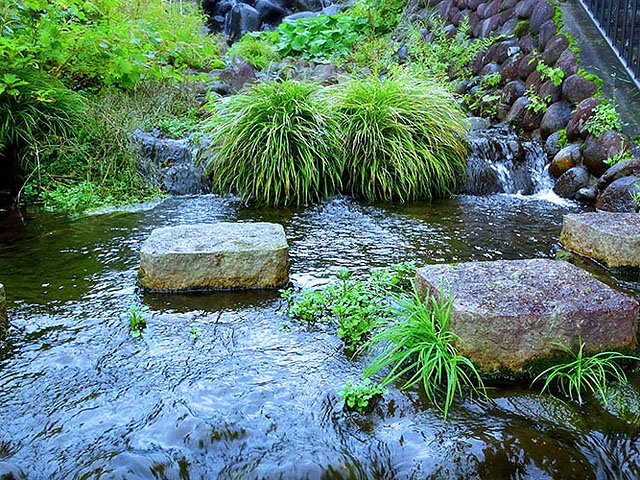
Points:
509	313
3	305
215	256
613	238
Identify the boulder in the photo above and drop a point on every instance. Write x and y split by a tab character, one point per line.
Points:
509	313
215	256
556	46
542	12
613	238
587	194
565	159
3	306
547	30
619	195
241	19
571	182
597	150
517	112
238	74
552	145
577	126
308	5
625	168
576	88
555	118
568	62
269	12
512	91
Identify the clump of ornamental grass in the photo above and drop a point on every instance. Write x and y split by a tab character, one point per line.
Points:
418	349
403	137
255	50
275	145
582	373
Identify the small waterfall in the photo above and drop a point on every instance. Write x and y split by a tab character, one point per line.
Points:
500	163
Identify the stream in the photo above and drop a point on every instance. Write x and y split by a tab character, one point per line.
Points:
256	396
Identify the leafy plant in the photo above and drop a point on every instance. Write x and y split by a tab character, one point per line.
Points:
255	49
619	157
137	322
194	333
555	74
358	395
636	196
276	145
311	307
403	137
563	141
584	372
382	15
537	103
604	117
418	347
322	37
491	80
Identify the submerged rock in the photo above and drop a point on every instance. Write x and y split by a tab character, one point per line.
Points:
215	256
613	238
3	305
509	313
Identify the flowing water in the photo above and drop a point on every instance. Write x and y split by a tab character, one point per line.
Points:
251	398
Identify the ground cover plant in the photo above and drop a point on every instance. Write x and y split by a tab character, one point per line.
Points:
582	373
403	137
257	49
275	144
359	396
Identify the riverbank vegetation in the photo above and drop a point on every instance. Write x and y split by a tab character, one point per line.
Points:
75	82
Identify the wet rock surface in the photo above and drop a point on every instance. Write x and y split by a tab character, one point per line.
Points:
215	256
571	182
613	238
619	195
3	305
509	313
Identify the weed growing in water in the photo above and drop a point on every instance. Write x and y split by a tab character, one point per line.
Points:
358	395
418	346
584	372
137	323
195	333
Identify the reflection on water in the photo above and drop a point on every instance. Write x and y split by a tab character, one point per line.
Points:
250	399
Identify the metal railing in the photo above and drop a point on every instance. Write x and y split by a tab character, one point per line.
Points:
619	23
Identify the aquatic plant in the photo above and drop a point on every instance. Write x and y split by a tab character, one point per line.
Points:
358	395
137	322
418	347
402	137
583	372
275	145
194	333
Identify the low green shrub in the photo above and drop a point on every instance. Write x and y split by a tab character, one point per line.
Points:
275	144
359	395
321	38
137	322
418	347
604	117
403	137
256	50
584	373
382	15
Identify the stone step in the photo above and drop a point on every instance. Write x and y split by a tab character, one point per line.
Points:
215	256
509	313
613	238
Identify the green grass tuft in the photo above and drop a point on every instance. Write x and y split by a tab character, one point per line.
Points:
275	145
255	50
418	346
403	137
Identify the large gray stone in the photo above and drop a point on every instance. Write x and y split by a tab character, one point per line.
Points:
509	313
613	238
215	256
3	305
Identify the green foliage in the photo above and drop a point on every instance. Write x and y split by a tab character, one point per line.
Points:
537	103
418	346
321	38
178	127
522	28
276	144
358	395
619	157
374	52
442	54
491	80
382	15
555	74
255	49
403	137
137	322
582	372
563	141
592	77
604	117
112	42
194	333
354	306
636	195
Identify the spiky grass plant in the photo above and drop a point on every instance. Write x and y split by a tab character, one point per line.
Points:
418	347
403	137
582	372
275	145
255	50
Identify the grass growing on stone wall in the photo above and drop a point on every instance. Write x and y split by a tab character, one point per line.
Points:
275	145
402	137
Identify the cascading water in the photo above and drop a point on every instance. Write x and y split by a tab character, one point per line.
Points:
500	163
